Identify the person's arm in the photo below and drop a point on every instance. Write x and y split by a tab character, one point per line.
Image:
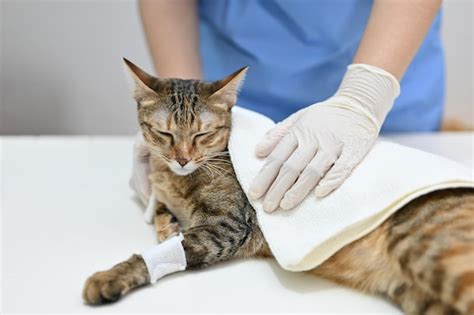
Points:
395	31
319	146
172	32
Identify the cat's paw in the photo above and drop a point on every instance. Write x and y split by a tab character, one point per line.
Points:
104	287
166	226
167	231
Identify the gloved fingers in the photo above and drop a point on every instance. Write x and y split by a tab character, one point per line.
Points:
336	175
273	136
309	178
144	199
135	187
141	168
140	183
143	171
287	175
270	169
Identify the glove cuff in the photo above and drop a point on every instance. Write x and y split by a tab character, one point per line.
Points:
367	90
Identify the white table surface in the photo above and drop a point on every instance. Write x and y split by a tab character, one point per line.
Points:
67	211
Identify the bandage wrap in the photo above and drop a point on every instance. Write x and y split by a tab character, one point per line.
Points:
165	258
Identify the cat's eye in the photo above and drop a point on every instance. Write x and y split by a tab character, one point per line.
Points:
201	134
163	133
209	133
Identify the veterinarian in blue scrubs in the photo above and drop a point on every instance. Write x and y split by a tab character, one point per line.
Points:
376	66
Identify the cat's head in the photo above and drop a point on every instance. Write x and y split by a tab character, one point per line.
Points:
185	122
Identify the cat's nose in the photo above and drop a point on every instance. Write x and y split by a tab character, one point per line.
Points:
183	161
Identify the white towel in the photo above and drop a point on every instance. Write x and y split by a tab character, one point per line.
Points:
388	178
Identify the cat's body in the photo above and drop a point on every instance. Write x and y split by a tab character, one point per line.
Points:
210	205
422	257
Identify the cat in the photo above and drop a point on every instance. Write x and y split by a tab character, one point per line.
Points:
421	258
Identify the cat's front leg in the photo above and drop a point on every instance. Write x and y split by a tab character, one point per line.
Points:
233	234
205	245
109	285
166	224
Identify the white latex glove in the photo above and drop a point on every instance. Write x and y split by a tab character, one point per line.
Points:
320	145
139	181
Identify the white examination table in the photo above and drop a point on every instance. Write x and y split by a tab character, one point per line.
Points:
67	211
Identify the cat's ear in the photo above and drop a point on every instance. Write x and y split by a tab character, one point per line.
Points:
143	82
225	91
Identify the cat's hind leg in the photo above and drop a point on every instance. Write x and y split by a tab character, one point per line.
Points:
416	301
432	240
370	265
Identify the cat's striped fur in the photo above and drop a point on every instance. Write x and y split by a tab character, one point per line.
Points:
422	257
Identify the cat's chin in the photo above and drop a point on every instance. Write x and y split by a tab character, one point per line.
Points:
182	171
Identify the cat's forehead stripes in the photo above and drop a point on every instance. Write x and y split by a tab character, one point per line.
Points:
182	93
184	105
184	101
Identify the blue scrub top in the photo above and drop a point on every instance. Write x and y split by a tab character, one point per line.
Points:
298	52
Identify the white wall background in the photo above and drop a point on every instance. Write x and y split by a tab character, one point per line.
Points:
61	72
458	29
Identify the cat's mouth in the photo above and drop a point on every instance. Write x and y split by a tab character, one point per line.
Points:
187	169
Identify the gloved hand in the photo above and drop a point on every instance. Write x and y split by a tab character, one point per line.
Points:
320	145
139	181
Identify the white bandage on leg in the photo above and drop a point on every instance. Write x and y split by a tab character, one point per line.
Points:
165	258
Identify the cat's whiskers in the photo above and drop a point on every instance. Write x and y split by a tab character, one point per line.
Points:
160	155
213	155
219	169
222	161
215	171
216	155
201	163
211	167
216	162
207	170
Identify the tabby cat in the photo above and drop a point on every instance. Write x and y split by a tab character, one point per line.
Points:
422	257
